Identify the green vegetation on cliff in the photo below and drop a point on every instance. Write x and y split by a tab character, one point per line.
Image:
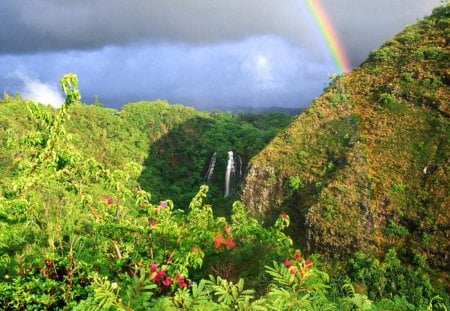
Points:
366	166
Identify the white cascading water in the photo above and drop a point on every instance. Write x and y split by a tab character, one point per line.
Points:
230	175
211	167
240	167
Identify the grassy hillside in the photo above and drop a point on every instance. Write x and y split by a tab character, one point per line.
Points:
366	166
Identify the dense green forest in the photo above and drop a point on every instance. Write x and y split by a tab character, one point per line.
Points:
173	143
344	207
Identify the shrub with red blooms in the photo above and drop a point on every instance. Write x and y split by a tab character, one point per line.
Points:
298	265
229	243
218	241
163	279
181	281
224	239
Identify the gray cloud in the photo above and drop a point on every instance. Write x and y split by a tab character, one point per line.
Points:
54	25
263	71
51	25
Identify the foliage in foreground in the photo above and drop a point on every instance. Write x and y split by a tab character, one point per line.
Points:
74	234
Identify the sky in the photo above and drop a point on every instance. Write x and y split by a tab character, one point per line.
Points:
209	54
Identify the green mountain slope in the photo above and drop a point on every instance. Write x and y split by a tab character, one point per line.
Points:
366	166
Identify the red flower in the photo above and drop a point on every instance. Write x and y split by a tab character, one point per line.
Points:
142	205
218	241
167	281
153	267
182	283
284	216
308	263
230	243
293	270
297	255
110	201
287	263
157	278
153	224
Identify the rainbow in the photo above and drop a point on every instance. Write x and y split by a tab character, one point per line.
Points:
331	38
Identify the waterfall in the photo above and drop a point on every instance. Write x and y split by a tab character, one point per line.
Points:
239	161
210	172
230	175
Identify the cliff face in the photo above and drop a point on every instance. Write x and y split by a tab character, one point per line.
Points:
366	166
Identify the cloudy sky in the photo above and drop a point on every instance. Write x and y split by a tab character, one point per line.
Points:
201	53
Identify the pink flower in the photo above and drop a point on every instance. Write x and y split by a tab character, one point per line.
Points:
153	267
287	263
163	204
110	201
167	281
227	229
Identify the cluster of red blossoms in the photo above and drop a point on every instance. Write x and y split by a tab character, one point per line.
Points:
298	264
160	277
227	242
220	241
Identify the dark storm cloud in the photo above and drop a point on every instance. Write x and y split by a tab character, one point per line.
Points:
45	25
49	25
